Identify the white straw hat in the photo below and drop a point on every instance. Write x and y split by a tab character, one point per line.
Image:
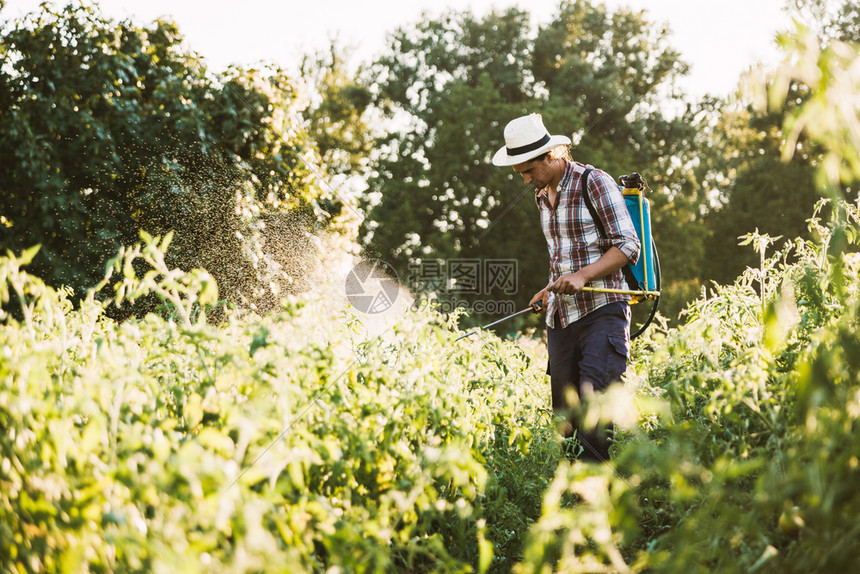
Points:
526	138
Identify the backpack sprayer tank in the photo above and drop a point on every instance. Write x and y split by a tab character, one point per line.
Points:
643	278
645	271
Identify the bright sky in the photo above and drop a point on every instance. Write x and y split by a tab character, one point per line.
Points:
720	38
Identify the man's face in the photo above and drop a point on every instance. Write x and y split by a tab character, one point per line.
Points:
535	172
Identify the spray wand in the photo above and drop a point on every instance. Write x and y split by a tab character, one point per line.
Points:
536	308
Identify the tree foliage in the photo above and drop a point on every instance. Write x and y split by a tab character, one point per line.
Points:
337	112
759	192
761	164
111	128
452	84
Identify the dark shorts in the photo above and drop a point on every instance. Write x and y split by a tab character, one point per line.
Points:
589	353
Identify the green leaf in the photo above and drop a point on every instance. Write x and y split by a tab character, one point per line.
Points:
165	242
485	553
209	293
260	340
28	254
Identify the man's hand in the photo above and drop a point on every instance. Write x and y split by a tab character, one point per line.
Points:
540	298
568	284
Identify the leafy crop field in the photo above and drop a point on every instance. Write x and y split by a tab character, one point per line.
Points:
260	444
295	443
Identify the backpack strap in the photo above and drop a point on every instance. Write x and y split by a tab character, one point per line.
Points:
632	283
584	187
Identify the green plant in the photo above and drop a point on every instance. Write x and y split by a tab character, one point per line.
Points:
110	128
257	443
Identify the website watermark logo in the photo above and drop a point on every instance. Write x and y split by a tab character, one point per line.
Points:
480	307
464	276
372	286
471	285
461	283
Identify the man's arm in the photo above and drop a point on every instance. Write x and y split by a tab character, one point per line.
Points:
570	283
614	219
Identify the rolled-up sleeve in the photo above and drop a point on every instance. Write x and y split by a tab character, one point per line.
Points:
608	202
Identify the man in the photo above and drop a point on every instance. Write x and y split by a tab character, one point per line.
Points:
588	332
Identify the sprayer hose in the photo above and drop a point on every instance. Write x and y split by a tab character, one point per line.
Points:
657	277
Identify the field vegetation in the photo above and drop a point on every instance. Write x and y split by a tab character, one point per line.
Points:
157	418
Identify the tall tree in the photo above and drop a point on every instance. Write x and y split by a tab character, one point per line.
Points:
761	189
452	84
109	128
337	112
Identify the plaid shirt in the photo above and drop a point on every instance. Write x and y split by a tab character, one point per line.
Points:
574	241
